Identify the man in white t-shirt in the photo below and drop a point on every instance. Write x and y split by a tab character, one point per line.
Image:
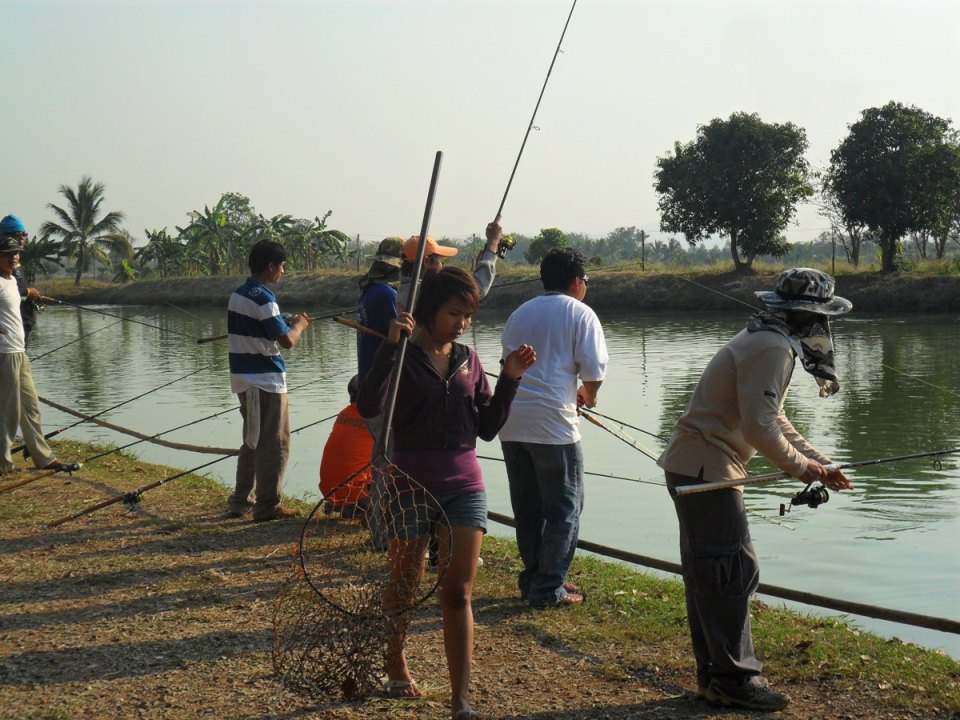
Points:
19	404
541	439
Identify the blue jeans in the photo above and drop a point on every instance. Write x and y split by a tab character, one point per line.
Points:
546	492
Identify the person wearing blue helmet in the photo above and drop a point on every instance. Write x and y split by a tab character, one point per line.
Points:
12	227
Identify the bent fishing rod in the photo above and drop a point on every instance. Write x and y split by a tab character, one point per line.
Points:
774	476
119	317
133	497
325	316
54	433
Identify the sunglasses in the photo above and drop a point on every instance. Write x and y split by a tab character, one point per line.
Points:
585	279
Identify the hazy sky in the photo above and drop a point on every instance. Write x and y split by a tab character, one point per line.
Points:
340	105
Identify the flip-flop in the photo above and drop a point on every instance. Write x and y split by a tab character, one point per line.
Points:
467	714
402	689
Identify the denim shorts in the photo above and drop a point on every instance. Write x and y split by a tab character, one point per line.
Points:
411	517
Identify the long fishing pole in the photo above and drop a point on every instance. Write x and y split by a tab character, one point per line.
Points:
394	386
133	497
120	317
325	316
75	340
622	436
534	116
768	477
54	433
625	424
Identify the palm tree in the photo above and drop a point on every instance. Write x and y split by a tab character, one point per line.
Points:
167	252
38	256
81	231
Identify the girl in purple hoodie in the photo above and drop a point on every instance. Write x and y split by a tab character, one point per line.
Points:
443	404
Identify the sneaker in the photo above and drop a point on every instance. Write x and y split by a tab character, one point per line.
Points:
749	695
278	513
58	466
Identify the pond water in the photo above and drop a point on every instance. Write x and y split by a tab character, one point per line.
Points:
892	541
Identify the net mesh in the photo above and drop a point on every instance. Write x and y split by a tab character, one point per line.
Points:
360	573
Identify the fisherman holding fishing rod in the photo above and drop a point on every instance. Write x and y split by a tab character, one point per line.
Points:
735	412
258	376
12	226
19	404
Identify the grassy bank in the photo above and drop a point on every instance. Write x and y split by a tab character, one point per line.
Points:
165	612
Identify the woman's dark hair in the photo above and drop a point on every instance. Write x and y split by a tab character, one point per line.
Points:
560	267
438	287
265	253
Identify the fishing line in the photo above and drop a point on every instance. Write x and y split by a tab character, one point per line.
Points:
133	497
719	292
537	107
325	316
114	407
75	340
102	312
920	380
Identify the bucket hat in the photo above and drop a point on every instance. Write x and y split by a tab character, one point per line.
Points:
9	244
804	289
389	251
412	243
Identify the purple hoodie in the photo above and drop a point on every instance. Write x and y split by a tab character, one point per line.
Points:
433	412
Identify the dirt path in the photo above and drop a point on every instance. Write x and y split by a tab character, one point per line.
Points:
166	614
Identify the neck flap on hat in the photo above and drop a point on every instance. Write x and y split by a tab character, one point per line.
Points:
811	341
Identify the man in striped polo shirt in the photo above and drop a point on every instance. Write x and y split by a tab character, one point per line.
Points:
258	376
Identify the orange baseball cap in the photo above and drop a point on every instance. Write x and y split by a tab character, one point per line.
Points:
412	243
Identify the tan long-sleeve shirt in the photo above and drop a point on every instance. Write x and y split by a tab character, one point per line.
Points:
736	411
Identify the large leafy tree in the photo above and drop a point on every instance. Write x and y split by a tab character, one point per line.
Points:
741	179
896	172
164	252
81	227
547	240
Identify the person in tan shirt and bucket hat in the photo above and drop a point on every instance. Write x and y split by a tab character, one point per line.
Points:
735	412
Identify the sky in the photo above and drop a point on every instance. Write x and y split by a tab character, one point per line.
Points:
341	105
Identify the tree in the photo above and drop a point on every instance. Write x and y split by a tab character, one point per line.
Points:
81	231
896	172
852	235
211	239
40	256
741	178
163	251
547	240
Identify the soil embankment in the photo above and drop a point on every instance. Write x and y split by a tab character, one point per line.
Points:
609	289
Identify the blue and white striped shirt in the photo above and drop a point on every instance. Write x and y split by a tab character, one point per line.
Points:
253	326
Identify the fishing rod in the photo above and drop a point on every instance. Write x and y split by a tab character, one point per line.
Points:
133	497
536	278
624	424
325	316
622	436
54	433
534	116
768	477
609	476
82	337
120	317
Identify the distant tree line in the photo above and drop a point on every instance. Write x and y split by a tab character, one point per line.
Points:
893	183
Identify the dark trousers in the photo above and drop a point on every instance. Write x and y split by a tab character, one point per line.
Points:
720	573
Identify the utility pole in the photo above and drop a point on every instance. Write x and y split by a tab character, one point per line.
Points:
643	241
358	252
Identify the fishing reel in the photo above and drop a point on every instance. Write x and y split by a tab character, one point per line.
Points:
506	244
811	496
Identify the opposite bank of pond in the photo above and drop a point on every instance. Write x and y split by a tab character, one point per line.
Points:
615	289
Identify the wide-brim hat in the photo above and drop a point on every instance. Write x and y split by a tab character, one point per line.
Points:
805	289
389	252
413	242
9	244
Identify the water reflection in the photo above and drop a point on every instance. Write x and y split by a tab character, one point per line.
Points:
656	361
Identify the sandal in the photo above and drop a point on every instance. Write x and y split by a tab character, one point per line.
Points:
402	689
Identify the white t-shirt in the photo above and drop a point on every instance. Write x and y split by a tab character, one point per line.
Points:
569	342
11	341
